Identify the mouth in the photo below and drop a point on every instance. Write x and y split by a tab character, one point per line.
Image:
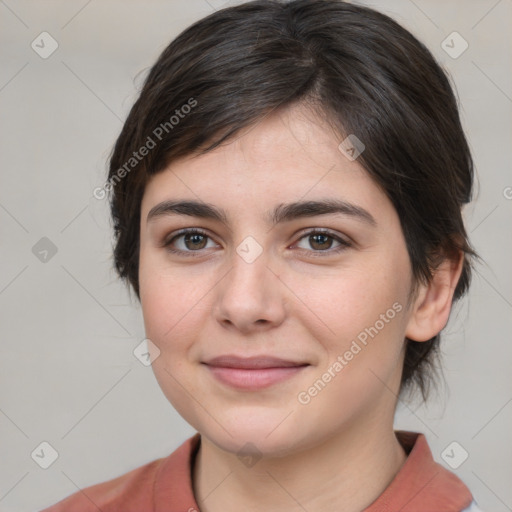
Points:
253	373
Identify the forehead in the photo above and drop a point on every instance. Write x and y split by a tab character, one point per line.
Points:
287	156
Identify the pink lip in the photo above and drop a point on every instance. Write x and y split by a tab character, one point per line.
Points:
253	373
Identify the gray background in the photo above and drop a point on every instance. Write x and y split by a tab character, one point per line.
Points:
68	375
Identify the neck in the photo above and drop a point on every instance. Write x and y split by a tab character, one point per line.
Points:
344	473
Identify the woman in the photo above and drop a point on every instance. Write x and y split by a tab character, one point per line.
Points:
286	195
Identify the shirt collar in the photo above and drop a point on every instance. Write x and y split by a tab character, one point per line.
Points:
421	484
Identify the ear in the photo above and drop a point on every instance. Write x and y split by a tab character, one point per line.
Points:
431	309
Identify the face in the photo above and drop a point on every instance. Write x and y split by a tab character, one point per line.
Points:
280	326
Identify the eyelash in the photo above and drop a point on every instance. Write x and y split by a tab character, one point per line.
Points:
344	244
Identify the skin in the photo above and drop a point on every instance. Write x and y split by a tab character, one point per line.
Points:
289	304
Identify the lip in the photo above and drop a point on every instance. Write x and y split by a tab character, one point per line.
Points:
253	373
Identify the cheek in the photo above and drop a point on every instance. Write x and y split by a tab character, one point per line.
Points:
363	348
162	301
171	305
169	312
343	305
168	297
365	312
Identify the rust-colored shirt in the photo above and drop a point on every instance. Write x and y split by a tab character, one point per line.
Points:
165	485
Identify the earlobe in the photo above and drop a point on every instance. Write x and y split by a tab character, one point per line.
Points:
431	309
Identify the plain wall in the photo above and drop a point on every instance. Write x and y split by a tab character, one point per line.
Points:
67	372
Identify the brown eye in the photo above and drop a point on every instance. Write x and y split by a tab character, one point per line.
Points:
196	241
322	241
190	240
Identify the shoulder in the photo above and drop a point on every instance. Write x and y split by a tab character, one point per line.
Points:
132	491
160	484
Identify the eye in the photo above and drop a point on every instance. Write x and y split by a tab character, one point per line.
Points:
188	240
194	240
322	241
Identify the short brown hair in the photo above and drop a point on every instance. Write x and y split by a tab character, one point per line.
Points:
360	70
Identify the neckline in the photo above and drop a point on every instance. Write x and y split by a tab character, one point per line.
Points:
420	485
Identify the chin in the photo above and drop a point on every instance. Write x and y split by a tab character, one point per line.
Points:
265	434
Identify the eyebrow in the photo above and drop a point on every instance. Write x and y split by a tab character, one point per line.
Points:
281	213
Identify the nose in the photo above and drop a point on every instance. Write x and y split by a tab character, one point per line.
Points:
250	296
